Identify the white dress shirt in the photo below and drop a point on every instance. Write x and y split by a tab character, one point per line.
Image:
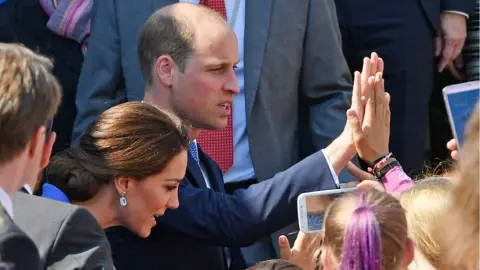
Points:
28	188
6	202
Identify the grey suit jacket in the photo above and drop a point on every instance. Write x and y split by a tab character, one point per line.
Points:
17	250
297	82
67	236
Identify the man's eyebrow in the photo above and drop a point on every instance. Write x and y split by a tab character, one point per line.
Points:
221	63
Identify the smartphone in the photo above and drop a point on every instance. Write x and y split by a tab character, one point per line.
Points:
311	207
460	101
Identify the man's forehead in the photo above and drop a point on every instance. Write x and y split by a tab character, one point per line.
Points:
212	60
217	48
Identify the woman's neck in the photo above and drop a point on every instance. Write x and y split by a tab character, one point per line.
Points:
103	207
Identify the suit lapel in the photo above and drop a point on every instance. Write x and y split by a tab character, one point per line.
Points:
257	23
213	171
195	173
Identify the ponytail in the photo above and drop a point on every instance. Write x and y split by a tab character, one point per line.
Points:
362	243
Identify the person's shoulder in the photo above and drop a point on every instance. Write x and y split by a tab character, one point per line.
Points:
25	204
12	240
22	200
6	222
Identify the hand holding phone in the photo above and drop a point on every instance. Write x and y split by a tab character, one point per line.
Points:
460	102
312	207
452	146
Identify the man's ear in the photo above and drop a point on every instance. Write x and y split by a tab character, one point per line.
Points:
37	141
47	150
164	70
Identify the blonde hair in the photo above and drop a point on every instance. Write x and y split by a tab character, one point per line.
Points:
424	205
366	214
29	97
460	227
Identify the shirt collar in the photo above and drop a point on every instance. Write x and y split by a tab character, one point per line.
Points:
6	202
28	189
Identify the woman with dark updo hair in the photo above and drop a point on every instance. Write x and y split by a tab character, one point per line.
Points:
127	168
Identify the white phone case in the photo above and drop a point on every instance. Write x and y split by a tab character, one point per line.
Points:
303	211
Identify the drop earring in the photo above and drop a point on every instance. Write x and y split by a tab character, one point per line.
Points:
123	200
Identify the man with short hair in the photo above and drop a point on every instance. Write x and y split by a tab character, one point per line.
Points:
29	97
188	54
67	236
293	82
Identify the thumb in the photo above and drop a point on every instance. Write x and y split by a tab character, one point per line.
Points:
358	173
284	245
438	46
354	122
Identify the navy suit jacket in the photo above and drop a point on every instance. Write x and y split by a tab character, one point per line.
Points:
433	8
193	236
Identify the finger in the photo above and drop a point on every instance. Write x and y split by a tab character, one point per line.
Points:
455	155
284	246
365	90
458	48
351	184
373	63
452	145
365	70
447	56
354	124
368	184
314	244
388	114
438	46
358	173
380	65
459	62
357	103
301	243
369	116
379	96
455	72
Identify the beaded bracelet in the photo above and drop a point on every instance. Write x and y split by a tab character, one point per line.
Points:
379	163
382	172
380	158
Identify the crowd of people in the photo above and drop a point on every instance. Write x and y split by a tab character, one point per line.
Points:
199	124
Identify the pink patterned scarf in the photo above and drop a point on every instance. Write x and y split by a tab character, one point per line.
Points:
69	18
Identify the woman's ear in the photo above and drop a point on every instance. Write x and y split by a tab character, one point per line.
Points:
409	253
122	184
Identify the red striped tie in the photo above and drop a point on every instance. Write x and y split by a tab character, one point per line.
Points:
218	144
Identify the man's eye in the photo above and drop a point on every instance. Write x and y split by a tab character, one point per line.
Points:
217	69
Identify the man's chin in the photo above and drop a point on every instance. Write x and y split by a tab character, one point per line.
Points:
210	125
219	125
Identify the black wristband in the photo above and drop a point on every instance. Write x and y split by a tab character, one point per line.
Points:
380	174
380	158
